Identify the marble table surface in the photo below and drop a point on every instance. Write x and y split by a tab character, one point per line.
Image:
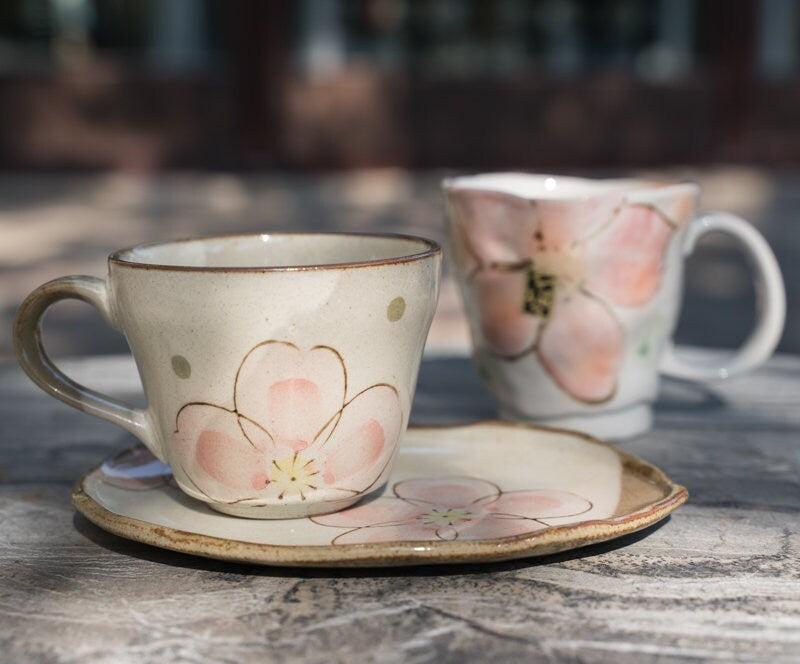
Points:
717	581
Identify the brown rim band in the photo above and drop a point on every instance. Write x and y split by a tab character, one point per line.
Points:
428	249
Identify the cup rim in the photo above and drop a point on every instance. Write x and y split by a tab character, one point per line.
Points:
595	186
432	248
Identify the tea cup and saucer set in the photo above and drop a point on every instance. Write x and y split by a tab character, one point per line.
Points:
279	371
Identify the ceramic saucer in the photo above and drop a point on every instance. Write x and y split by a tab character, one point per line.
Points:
477	493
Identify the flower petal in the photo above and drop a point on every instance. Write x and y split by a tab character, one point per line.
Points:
681	208
404	532
504	324
539	504
624	263
218	459
446	491
675	203
492	226
581	348
372	513
495	528
290	392
447	533
363	441
564	222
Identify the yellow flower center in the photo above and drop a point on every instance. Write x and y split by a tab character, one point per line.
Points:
445	516
294	475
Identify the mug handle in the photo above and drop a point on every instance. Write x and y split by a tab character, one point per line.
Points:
42	370
770	302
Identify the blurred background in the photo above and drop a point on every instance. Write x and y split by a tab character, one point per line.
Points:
126	121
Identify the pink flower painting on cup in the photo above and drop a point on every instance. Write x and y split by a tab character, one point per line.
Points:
292	430
451	508
544	276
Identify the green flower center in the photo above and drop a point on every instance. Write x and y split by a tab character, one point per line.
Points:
540	293
445	516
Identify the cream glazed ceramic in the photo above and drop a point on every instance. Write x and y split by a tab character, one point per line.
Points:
483	492
573	289
279	369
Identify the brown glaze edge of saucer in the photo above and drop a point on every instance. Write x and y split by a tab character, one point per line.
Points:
396	554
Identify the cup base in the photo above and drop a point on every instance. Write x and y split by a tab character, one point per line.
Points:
294	511
616	424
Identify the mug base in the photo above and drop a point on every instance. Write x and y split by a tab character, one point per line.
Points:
616	425
293	511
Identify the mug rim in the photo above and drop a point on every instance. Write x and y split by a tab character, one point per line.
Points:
625	186
432	248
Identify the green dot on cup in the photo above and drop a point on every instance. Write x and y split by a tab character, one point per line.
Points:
396	309
181	366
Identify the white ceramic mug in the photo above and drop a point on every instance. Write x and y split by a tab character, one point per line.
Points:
573	287
279	369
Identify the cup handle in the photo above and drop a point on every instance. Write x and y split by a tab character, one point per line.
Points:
42	370
770	302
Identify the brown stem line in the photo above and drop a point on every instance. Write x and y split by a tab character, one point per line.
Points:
378	476
499	492
333	541
474	271
255	424
379	524
232	411
602	227
527	351
340	412
354	492
337	417
200	403
215	500
344	395
555	380
473	254
509	515
244	433
659	213
248	354
192	482
502	266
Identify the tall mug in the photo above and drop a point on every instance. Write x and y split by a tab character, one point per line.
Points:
573	288
279	369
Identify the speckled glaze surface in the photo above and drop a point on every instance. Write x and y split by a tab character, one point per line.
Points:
482	492
279	369
573	288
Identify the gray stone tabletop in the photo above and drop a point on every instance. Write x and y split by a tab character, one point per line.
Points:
717	581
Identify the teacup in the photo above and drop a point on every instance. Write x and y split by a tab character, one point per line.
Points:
279	369
573	286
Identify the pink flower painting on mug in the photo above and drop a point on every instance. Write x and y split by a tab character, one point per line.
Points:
544	277
292	431
451	508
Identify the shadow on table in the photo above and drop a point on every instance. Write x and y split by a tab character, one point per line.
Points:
153	554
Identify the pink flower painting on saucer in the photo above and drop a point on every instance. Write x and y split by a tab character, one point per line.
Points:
543	277
451	508
292	430
135	469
